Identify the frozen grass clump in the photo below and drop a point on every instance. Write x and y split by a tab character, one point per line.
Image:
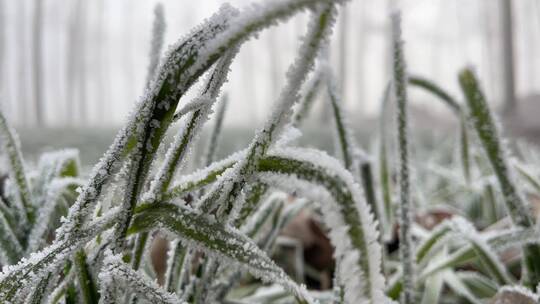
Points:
70	238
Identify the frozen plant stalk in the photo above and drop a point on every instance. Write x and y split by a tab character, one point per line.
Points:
489	137
405	216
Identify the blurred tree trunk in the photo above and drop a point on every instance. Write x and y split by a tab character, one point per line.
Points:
507	47
75	65
99	75
343	31
3	23
22	92
361	54
37	64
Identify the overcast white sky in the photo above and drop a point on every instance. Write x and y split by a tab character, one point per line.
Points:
441	37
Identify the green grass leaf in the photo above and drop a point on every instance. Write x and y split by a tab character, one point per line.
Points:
488	133
201	231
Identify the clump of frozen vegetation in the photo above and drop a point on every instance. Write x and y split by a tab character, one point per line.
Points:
68	238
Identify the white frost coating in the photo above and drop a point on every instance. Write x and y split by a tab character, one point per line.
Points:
485	252
521	290
190	130
201	232
319	29
139	118
344	142
196	104
10	145
50	259
51	199
158	33
256	15
289	135
501	240
351	258
50	165
115	269
10	248
254	221
201	174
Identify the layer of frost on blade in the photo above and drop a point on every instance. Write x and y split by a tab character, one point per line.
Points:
158	33
370	289
24	203
204	233
115	269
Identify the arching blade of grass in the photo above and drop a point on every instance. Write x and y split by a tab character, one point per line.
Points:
23	205
479	285
436	90
224	195
439	236
491	262
198	230
184	64
489	136
456	107
181	146
50	259
352	230
116	270
499	242
48	212
515	293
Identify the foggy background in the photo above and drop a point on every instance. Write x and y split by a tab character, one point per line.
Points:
83	63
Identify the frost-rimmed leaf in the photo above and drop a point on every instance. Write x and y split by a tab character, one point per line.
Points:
498	240
116	270
405	215
457	108
305	104
489	136
455	283
48	212
10	247
352	228
49	259
158	34
437	91
185	62
213	238
478	284
433	287
227	190
183	142
87	284
384	167
24	205
515	294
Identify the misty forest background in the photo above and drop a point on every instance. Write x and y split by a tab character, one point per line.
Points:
71	67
